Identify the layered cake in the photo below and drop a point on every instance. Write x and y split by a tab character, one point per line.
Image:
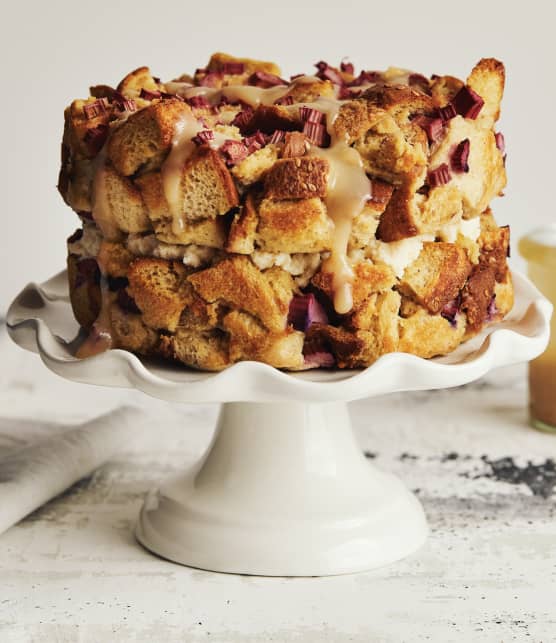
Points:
320	221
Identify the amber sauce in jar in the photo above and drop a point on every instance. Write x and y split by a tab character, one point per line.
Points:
539	248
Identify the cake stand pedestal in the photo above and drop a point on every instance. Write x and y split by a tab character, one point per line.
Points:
283	489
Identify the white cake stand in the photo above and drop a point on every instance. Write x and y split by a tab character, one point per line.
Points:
284	489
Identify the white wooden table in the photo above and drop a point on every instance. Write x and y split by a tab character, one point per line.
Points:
73	571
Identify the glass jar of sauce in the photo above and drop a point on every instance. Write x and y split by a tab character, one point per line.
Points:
539	249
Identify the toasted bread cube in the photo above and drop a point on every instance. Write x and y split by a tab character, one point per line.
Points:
369	278
394	153
487	79
243	230
205	350
309	90
254	167
437	275
114	259
132	84
297	178
486	177
282	285
159	290
494	246
127	208
378	313
477	297
294	225
129	331
206	191
250	340
219	59
205	232
444	88
144	139
150	185
237	282
77	130
365	224
429	335
352	349
357	117
409	213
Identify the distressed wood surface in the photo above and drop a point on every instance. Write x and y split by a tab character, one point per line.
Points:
72	571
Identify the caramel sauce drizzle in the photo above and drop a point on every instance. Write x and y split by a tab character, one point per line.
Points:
172	168
348	190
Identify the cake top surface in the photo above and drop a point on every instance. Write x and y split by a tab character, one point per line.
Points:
397	141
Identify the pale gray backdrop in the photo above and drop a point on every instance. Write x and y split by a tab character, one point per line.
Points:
52	51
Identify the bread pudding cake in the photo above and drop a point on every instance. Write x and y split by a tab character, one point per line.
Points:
320	221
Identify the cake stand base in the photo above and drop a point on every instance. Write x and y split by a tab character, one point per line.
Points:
283	490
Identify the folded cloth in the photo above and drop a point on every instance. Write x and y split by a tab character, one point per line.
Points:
33	475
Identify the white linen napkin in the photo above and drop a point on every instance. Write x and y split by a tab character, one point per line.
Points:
32	475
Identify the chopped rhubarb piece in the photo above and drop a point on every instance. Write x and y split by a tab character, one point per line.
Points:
347	67
500	142
468	103
234	152
366	77
265	80
232	68
451	310
304	311
76	235
198	102
204	136
96	108
447	112
124	104
95	137
310	115
434	127
277	136
460	156
439	176
148	95
319	359
255	142
212	79
243	118
285	100
326	72
316	133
